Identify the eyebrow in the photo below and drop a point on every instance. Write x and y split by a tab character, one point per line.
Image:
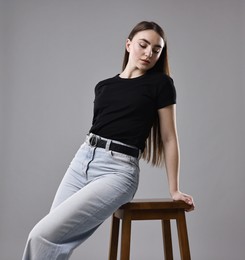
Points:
157	45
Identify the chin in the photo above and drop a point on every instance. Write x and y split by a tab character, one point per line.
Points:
144	68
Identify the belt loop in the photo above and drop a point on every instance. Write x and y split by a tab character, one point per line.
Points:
108	143
140	153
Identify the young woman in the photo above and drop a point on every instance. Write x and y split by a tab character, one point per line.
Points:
134	116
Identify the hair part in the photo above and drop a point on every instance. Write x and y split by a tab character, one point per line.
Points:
154	150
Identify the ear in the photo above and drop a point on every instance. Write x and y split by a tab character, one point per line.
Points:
128	44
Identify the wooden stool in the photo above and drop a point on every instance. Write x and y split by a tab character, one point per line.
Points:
141	209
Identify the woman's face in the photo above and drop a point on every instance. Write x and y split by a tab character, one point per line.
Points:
144	50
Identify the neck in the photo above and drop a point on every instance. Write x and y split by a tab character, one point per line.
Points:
129	74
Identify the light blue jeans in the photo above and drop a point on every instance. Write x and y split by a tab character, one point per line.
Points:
97	182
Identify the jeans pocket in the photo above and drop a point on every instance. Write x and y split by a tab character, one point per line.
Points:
77	163
121	156
125	160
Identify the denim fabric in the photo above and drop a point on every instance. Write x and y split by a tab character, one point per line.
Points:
97	182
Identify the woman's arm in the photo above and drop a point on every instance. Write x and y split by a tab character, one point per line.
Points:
167	118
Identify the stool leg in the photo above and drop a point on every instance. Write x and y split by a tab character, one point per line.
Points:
183	236
114	238
167	240
126	236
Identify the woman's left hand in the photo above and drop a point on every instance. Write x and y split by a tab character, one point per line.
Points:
184	197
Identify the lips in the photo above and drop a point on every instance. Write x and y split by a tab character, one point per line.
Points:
146	61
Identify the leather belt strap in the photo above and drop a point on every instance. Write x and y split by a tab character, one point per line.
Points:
96	141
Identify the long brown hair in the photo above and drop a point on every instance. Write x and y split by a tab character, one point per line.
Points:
154	146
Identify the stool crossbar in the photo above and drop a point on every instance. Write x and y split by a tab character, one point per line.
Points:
150	209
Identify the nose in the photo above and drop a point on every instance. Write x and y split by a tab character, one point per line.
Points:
148	52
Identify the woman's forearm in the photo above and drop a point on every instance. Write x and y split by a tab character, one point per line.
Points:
172	162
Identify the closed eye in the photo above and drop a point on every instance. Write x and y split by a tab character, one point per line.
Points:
142	45
156	51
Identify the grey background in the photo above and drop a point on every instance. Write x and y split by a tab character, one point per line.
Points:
52	53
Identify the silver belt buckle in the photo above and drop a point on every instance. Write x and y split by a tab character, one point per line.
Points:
93	140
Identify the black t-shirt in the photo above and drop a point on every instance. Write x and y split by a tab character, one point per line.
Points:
124	109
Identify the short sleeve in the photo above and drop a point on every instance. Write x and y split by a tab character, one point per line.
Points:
166	92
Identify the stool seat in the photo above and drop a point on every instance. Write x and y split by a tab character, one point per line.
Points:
150	209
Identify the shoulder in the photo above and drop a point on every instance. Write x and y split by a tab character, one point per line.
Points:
105	82
165	89
161	81
162	78
159	78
